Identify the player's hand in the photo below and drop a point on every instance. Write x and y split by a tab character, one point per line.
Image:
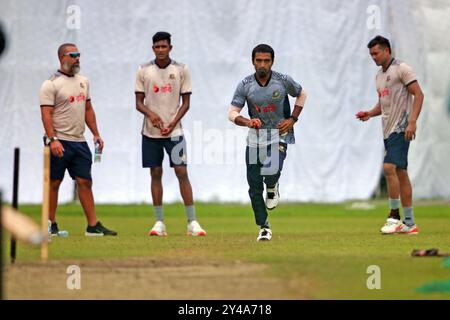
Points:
254	123
363	116
155	120
57	149
100	142
286	125
410	132
168	130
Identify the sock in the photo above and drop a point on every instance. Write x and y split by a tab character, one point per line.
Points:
159	213
266	225
394	203
190	213
409	216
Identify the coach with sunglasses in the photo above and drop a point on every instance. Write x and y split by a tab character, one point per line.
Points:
65	109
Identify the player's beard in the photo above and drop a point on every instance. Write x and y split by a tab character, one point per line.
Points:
262	73
75	69
72	69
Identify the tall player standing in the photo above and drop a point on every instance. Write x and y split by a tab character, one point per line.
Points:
159	86
400	102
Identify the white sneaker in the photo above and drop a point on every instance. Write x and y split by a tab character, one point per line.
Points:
159	229
272	197
194	229
408	230
265	234
392	226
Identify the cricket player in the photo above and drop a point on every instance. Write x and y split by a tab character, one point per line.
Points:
271	130
159	86
399	104
65	109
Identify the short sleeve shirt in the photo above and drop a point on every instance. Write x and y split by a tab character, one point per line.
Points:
269	103
395	100
162	88
68	96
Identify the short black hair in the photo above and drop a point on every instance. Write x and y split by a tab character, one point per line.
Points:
263	48
381	41
63	47
161	35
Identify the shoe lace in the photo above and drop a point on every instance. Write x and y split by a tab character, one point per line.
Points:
390	223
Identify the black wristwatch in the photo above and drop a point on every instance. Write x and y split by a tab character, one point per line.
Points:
294	118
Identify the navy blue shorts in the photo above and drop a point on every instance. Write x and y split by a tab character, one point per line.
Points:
397	147
77	159
153	151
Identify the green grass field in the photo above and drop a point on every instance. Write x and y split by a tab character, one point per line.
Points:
317	251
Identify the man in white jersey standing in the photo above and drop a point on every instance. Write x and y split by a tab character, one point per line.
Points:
65	109
400	102
271	130
159	86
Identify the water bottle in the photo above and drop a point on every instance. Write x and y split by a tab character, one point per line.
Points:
63	234
98	153
49	231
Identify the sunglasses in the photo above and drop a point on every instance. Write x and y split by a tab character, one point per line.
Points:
73	54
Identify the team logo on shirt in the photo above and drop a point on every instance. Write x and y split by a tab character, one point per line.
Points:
81	97
269	108
388	78
167	88
78	98
81	85
276	95
383	93
172	76
164	89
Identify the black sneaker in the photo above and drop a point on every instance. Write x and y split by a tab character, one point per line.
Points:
99	231
54	229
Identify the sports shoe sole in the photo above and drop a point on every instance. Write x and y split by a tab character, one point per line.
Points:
198	234
153	233
410	233
90	234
